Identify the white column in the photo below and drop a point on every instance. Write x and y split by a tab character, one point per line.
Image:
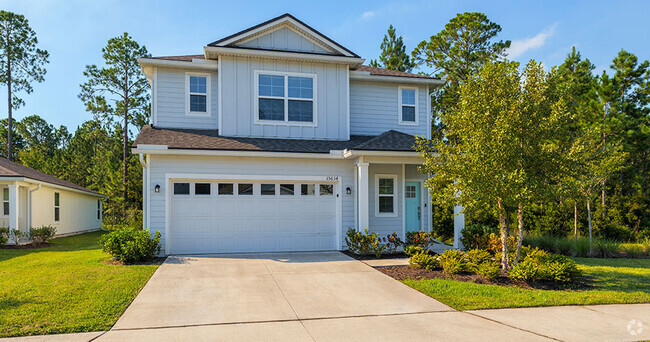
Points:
13	207
362	172
459	225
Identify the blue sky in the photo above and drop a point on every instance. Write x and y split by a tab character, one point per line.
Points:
75	31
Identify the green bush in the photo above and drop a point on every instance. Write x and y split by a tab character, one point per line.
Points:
581	247
526	270
419	238
131	245
482	263
604	248
477	236
4	235
489	270
633	250
392	241
453	261
565	246
537	265
364	243
412	250
424	260
42	234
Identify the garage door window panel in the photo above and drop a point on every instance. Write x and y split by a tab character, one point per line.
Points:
202	188
226	188
327	189
245	189
267	189
308	189
287	189
181	188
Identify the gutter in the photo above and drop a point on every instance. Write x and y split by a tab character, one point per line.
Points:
162	149
165	63
358	153
395	79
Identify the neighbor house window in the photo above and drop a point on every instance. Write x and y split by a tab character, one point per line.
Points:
5	201
99	209
57	207
198	94
407	106
385	191
285	97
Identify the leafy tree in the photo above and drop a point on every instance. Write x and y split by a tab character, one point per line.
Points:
118	90
393	53
21	63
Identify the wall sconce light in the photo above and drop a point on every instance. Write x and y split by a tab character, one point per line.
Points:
156	188
348	190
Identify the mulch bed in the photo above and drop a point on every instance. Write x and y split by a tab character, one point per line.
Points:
399	255
26	246
154	261
407	272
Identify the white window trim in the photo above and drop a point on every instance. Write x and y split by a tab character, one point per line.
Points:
286	122
187	94
395	209
399	107
57	206
2	211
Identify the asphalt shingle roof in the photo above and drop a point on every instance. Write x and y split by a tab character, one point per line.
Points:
203	139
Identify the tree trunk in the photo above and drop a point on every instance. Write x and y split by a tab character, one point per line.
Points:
575	220
9	112
520	238
126	135
591	244
504	235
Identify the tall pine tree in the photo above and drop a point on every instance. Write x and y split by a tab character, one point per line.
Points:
393	53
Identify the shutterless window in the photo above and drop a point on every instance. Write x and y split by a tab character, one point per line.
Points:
226	188
245	189
286	189
386	193
198	94
57	207
307	189
5	201
267	189
285	98
326	189
99	209
181	188
201	188
408	105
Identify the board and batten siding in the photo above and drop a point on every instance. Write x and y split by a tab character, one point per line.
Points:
238	100
284	39
374	109
171	106
162	164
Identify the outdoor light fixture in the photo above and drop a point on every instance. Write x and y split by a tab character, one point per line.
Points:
156	188
348	190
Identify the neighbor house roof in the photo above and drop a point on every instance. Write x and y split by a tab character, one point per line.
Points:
204	139
15	170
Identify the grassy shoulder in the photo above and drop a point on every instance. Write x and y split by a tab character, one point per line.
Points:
65	287
612	281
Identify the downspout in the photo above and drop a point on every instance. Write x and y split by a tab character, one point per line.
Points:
29	209
145	195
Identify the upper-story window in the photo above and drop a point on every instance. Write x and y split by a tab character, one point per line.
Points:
285	98
408	108
198	94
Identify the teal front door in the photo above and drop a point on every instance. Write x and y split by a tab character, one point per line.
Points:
413	209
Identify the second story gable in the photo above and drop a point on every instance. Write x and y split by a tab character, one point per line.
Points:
283	79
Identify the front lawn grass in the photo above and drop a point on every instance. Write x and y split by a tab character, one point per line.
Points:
65	287
611	281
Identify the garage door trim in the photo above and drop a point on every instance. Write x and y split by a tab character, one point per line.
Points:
337	180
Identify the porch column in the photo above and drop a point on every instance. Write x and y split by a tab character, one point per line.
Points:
13	207
459	225
362	171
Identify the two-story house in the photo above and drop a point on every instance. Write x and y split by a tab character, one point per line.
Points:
277	138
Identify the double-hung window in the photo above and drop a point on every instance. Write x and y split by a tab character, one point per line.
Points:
5	201
386	195
408	106
285	98
57	207
198	94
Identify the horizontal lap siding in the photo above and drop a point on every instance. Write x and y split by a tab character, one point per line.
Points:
160	165
374	109
170	101
385	225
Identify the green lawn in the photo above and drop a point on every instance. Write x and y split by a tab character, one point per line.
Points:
613	281
65	287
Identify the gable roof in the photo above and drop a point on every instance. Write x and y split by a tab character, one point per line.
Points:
283	20
204	139
15	170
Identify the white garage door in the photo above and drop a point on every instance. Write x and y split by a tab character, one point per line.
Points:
252	216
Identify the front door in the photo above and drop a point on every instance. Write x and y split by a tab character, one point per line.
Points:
413	209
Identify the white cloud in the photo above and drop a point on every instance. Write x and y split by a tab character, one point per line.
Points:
367	15
519	47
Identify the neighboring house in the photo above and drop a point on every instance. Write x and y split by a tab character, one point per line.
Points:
31	199
277	138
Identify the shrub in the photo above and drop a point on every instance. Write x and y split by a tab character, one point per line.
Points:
4	235
477	236
582	247
131	244
633	250
482	263
424	260
42	234
419	238
364	243
604	248
391	242
565	246
526	270
453	261
494	244
539	265
412	250
489	270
